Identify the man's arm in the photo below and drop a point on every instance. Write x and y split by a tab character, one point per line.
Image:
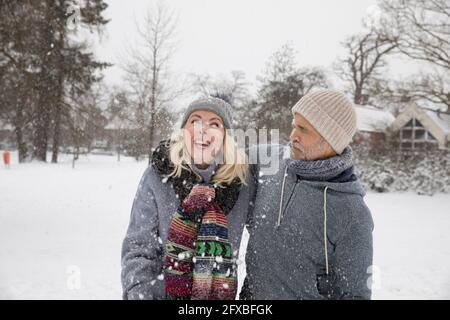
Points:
353	257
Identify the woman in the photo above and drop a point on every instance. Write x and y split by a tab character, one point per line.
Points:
189	212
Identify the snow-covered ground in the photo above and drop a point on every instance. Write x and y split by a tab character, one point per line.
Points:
61	231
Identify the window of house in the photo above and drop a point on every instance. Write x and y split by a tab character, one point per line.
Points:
417	123
431	137
410	124
419	134
406	134
414	135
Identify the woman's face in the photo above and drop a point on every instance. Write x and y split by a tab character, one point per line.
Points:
204	135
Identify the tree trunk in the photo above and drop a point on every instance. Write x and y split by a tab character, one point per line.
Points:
18	129
57	119
21	145
357	99
60	87
151	130
42	124
45	99
56	134
119	145
152	109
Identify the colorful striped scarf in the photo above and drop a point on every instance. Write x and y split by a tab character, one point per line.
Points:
199	262
199	257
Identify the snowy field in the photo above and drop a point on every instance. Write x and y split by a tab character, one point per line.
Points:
61	231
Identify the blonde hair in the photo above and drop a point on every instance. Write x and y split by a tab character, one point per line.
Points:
234	162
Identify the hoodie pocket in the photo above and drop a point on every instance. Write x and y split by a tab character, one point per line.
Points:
325	285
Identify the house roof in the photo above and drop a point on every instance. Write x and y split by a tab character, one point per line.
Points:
441	119
437	123
371	119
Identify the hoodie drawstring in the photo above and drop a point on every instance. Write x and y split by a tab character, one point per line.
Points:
282	194
325	227
325	241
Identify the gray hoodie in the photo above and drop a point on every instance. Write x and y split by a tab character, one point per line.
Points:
144	246
310	238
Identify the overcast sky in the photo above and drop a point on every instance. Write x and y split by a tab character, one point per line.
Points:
220	36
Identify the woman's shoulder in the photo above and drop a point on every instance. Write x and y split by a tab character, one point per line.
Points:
152	179
160	160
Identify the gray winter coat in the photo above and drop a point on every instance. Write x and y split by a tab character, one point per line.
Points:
144	246
304	227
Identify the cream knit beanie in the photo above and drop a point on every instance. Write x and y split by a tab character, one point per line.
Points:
332	114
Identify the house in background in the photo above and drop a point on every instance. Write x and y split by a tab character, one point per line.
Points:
119	132
7	138
372	125
417	128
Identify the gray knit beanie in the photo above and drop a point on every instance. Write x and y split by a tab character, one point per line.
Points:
216	105
332	114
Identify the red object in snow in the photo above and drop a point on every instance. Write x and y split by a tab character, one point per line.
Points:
6	158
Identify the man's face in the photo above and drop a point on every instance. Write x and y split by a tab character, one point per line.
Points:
307	143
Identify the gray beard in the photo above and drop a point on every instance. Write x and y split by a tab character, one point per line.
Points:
308	153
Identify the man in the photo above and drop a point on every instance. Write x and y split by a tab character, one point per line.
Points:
311	234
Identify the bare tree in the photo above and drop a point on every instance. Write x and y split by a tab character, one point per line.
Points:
431	88
232	87
421	29
282	85
280	65
146	66
362	66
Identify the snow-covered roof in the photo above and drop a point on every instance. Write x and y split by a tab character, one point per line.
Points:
372	119
441	119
